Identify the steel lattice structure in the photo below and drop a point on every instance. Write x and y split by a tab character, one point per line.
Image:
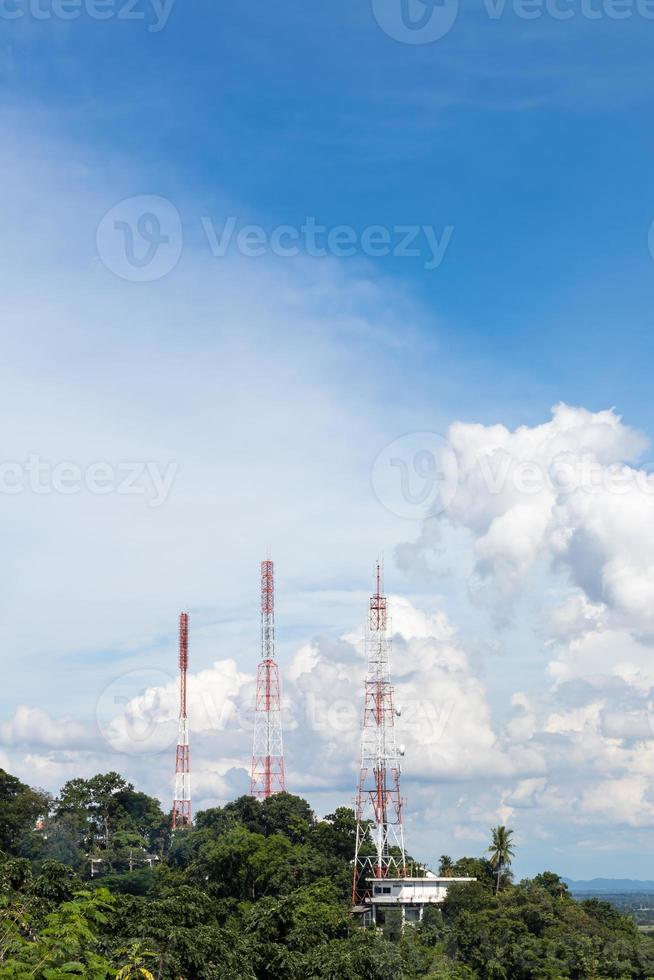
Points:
379	849
267	773
182	816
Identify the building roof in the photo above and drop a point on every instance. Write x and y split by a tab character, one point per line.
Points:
431	880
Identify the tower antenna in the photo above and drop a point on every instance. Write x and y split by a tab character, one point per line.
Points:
182	803
267	773
378	803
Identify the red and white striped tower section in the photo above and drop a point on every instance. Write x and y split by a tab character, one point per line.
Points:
182	803
379	851
267	774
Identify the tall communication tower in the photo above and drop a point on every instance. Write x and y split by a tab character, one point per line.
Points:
267	774
379	849
182	802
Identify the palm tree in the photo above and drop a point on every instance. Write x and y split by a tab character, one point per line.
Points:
446	866
501	851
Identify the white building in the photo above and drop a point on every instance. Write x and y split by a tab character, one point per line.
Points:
406	895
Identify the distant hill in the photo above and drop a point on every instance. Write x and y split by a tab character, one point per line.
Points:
609	886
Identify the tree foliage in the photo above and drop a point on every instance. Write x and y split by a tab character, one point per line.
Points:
261	891
501	851
20	807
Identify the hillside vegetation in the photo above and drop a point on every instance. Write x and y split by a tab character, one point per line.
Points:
260	891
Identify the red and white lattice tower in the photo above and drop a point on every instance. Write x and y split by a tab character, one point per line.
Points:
379	849
182	802
267	774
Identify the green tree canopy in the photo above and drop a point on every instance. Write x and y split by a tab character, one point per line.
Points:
20	807
261	891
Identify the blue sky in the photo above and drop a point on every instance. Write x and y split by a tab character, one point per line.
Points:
271	384
529	137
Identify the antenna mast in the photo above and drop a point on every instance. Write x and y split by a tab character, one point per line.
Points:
182	802
378	803
267	774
